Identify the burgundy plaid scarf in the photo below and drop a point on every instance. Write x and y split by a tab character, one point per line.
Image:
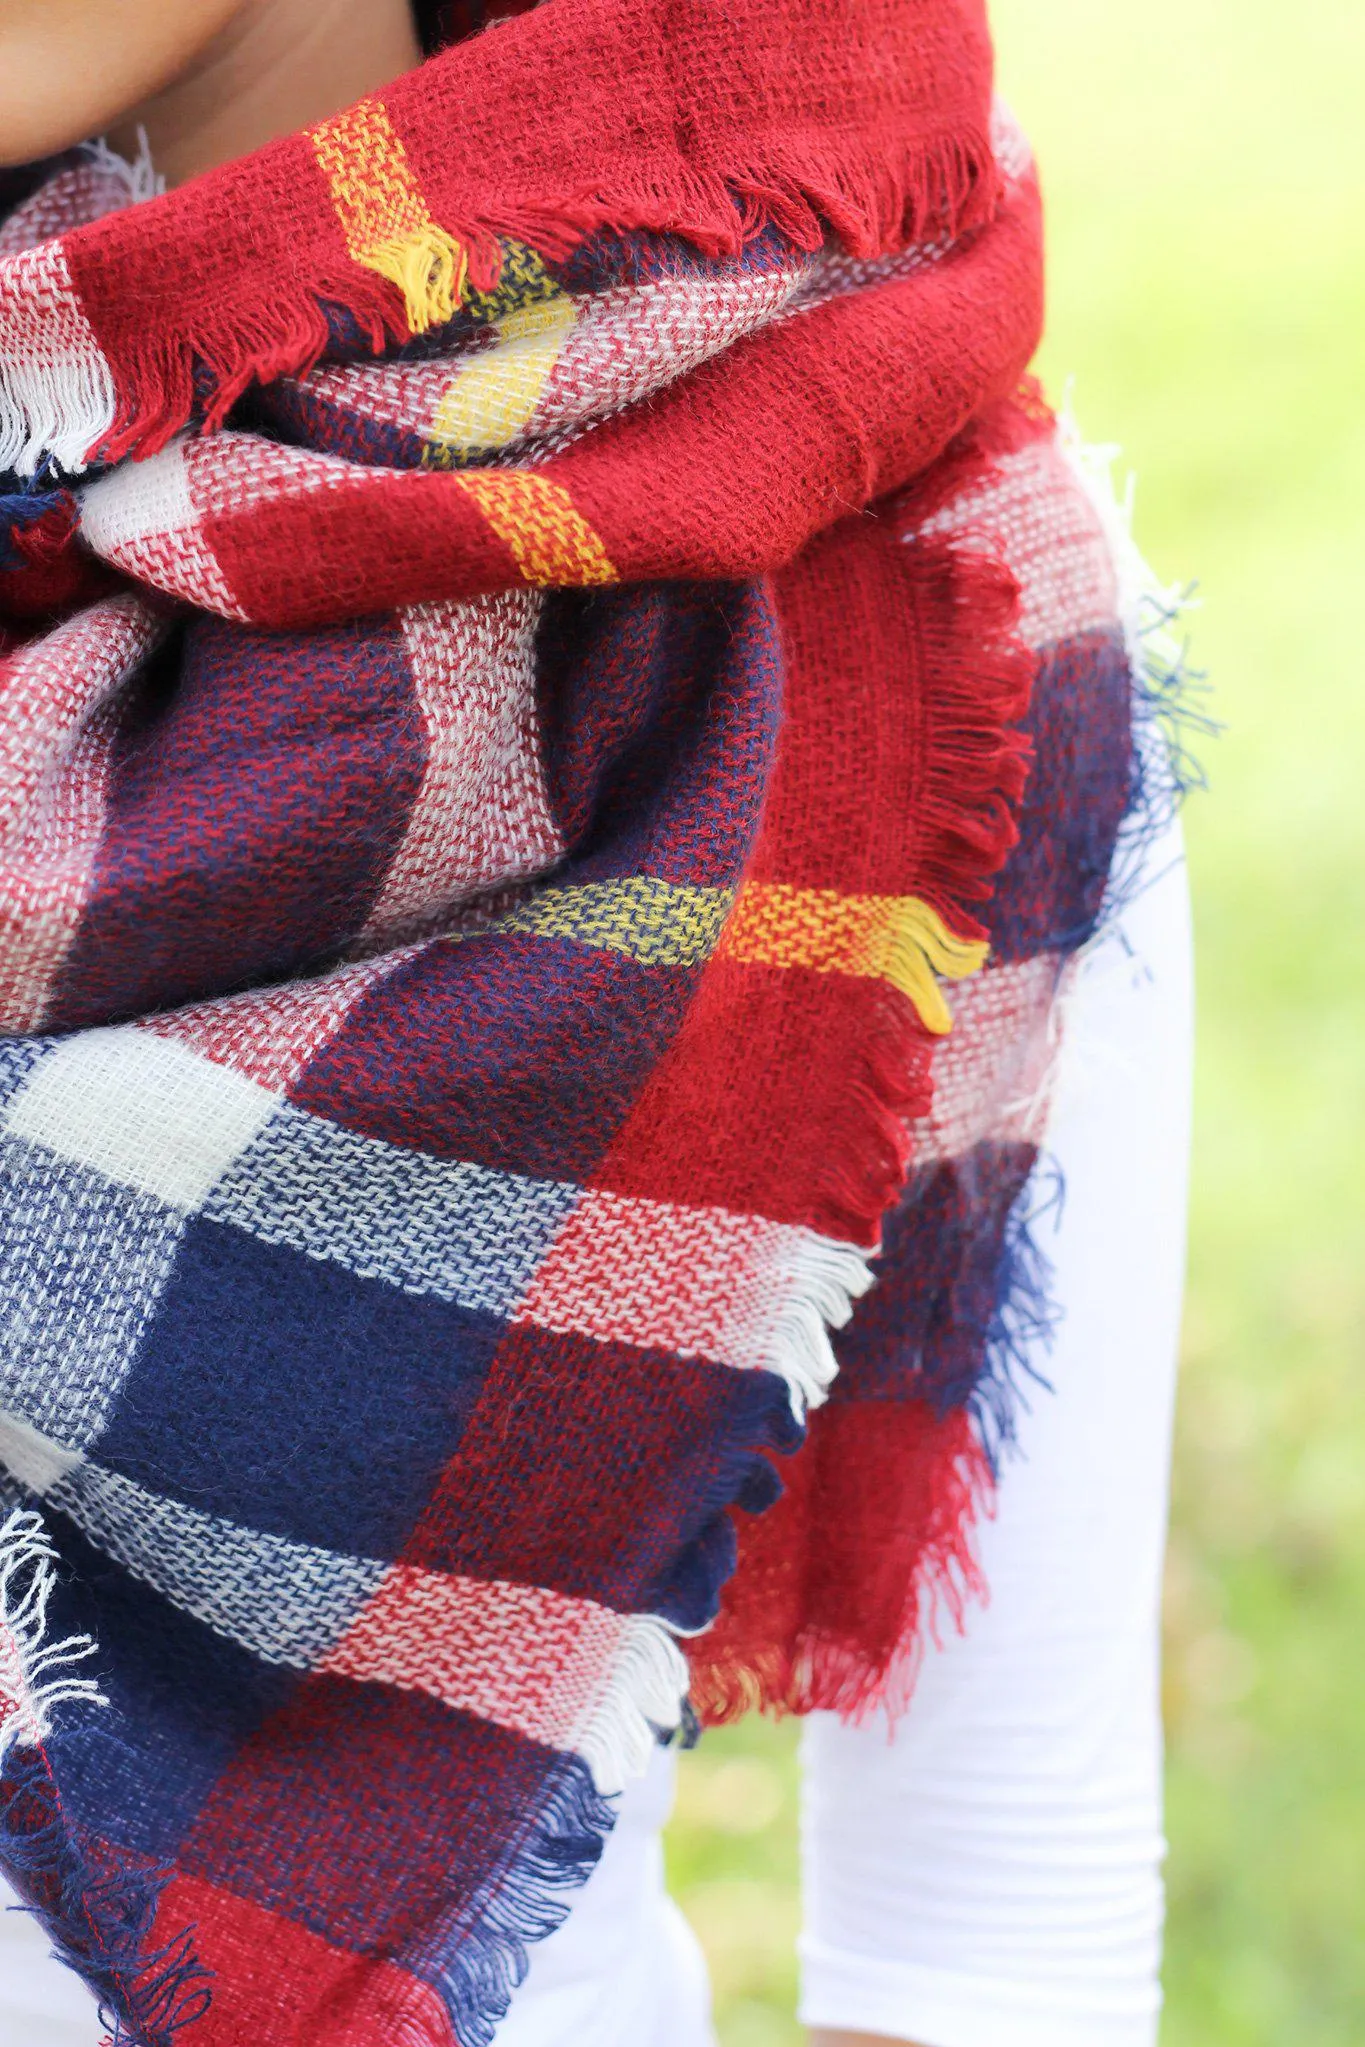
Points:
525	612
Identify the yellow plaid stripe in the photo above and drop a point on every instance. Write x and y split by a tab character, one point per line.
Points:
383	213
494	395
658	923
892	938
550	540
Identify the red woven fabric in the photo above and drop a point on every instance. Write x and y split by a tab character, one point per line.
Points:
875	1519
870	118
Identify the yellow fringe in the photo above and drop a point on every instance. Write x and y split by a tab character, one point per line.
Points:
384	215
429	268
900	939
918	948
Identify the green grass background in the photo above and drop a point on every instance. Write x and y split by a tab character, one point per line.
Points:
1205	174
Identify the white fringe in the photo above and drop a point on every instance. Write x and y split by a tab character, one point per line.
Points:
647	1688
139	176
643	1698
1164	691
35	1674
1148	608
64	406
828	1278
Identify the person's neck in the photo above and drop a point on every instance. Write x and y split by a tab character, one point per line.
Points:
278	66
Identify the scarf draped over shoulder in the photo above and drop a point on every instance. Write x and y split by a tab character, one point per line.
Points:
563	712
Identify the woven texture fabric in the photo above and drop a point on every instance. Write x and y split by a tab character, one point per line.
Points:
522	642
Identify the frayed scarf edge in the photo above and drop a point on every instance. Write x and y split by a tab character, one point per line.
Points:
195	370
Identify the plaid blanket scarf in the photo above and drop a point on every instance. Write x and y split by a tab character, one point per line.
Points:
525	616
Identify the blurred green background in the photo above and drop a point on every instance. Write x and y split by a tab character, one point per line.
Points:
1204	163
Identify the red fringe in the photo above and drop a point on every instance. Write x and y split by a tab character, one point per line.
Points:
873	1537
174	372
873	204
978	760
979	677
206	363
840	1582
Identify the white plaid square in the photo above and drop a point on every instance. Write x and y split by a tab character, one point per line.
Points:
141	1111
144	518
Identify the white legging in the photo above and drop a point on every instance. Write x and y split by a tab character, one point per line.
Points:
990	1877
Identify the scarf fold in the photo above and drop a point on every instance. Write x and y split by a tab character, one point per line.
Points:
525	617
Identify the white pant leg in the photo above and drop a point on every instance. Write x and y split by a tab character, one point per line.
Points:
41	2003
992	1877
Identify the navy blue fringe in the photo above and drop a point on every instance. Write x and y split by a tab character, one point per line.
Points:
1170	718
1026	1315
99	1918
526	1903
